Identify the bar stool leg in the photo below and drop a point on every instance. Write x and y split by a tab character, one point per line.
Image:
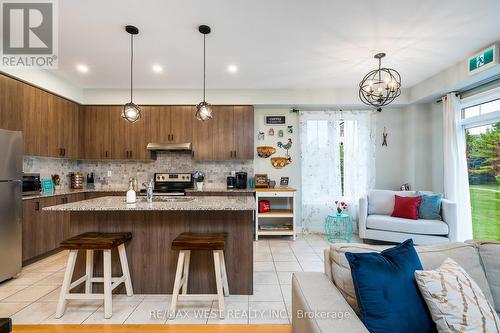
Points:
124	263
187	259
108	301
218	281
225	285
68	275
89	271
177	285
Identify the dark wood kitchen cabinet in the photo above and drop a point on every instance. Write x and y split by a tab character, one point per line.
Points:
170	123
39	236
44	230
106	135
95	128
10	103
228	136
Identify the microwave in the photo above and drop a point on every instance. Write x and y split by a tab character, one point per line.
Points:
31	183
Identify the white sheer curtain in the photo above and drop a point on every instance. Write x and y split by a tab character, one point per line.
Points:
359	157
320	161
456	181
320	164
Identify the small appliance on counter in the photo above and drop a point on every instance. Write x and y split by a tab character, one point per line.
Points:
241	180
90	181
76	181
231	181
32	184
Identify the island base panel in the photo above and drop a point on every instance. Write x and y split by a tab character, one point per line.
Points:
151	260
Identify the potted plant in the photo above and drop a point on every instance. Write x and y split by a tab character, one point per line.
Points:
199	178
341	206
57	181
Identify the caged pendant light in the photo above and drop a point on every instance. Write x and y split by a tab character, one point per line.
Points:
380	86
131	112
204	109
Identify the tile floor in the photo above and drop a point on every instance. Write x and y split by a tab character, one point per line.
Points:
31	298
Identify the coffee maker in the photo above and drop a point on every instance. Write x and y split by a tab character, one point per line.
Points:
241	180
231	181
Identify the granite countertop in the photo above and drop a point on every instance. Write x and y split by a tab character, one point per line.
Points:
222	190
68	191
118	203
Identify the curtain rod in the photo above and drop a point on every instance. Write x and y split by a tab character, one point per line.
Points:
494	80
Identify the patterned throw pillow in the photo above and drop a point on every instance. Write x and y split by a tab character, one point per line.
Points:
455	301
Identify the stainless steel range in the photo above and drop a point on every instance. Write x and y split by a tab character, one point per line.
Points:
172	183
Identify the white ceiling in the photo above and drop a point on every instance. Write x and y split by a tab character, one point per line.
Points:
285	44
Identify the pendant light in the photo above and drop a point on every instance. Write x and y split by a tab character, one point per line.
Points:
131	112
203	109
380	86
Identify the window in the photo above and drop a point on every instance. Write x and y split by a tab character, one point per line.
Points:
482	129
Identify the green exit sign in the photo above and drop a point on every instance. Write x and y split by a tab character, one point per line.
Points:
484	59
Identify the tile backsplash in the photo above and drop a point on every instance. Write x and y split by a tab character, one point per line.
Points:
120	171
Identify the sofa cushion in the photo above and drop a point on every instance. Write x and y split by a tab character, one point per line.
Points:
430	206
381	202
387	293
490	252
398	224
431	256
406	207
445	289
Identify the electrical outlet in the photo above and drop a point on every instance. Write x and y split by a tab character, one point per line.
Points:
110	173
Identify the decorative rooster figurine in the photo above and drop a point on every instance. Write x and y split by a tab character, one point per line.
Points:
286	146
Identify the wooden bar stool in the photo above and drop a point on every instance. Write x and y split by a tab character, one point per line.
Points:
90	242
187	242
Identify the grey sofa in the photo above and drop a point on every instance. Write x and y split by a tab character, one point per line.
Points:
326	302
376	222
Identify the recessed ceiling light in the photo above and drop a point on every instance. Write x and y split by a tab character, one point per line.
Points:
157	69
232	68
82	68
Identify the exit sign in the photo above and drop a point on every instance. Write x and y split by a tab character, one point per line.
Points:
484	59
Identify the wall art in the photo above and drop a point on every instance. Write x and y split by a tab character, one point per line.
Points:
275	120
270	132
280	133
260	136
289	129
282	161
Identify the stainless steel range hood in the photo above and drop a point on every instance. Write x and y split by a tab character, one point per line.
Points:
169	146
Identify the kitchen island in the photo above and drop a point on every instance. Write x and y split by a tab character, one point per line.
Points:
154	225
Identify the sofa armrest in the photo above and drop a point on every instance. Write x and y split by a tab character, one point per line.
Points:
449	215
363	214
319	307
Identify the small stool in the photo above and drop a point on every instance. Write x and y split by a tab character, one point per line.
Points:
187	242
95	241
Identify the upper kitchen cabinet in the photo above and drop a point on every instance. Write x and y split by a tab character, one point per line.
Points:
169	123
106	135
95	128
49	123
228	136
10	104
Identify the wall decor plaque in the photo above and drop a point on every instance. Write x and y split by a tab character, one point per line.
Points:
275	120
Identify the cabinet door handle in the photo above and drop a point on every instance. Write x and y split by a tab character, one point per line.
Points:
168	137
106	154
131	154
37	205
60	152
172	137
235	154
64	151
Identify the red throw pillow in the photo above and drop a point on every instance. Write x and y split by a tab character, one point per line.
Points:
406	207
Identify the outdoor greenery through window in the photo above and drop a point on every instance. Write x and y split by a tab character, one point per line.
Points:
483	159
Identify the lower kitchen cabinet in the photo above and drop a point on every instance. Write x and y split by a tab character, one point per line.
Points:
39	235
43	231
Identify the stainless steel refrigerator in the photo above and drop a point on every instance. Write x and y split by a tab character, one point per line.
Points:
11	169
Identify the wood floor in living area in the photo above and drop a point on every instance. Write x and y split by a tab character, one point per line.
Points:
152	328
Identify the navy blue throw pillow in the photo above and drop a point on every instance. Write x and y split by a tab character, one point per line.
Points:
388	296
